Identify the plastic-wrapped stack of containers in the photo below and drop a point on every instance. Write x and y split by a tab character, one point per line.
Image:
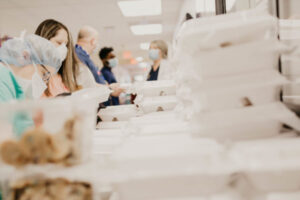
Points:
228	87
290	62
228	76
47	145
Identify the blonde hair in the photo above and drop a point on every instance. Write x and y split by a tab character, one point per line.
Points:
162	45
69	69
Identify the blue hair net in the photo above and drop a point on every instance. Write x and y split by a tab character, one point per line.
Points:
42	51
15	52
31	49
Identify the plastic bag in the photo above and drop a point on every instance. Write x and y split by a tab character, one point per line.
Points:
76	182
58	132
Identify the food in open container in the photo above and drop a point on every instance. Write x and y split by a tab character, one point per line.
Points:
45	132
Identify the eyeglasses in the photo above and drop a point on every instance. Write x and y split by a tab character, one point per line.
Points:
47	75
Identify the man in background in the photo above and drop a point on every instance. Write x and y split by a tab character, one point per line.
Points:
109	61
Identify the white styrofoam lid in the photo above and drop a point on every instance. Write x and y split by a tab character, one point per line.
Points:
99	93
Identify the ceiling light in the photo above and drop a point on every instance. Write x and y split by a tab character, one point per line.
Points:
145	46
139	59
147	29
136	8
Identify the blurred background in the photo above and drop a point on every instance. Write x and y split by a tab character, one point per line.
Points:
126	25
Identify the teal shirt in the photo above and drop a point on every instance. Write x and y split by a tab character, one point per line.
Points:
9	87
11	90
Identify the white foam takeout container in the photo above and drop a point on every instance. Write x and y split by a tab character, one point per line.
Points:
163	167
245	123
118	113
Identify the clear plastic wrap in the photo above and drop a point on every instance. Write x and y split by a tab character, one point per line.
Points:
234	92
290	65
254	56
46	132
292	89
227	30
286	24
45	184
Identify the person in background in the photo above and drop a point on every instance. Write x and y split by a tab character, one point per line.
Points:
27	65
4	38
66	79
109	61
87	44
160	69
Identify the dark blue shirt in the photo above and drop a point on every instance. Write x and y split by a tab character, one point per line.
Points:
110	78
85	59
152	76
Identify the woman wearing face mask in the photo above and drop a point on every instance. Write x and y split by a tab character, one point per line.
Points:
158	53
75	75
27	65
59	35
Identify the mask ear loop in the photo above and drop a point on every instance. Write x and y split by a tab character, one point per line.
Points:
46	76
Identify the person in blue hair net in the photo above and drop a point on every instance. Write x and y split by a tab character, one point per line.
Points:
26	65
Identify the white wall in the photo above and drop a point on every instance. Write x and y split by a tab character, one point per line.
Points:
289	8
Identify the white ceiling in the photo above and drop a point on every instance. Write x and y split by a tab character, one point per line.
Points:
104	15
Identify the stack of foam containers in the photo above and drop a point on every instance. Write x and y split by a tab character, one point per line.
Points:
228	88
290	62
229	79
152	110
156	96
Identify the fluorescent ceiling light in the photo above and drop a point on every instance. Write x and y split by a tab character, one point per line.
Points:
147	29
145	46
136	8
139	59
203	6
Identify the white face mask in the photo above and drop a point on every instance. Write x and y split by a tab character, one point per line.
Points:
63	51
113	62
33	88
